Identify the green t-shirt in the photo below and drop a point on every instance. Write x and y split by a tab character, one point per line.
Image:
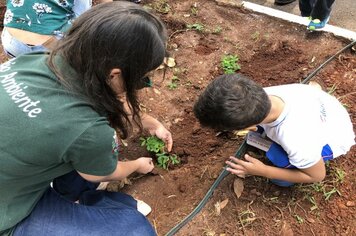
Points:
46	131
43	17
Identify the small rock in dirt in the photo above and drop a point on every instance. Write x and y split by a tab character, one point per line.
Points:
350	203
311	220
196	128
341	205
286	229
255	192
182	188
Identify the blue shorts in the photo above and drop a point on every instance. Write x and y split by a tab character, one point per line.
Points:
279	158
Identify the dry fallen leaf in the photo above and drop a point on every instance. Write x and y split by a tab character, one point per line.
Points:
169	61
224	203
219	206
238	187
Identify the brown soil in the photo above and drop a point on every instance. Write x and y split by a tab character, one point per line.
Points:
272	52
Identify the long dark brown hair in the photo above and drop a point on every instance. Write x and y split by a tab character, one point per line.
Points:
111	35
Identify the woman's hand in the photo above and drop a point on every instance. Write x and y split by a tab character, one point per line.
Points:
251	166
145	165
156	128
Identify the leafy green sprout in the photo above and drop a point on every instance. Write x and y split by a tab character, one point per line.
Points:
197	26
153	144
217	30
156	145
229	64
255	36
164	160
173	84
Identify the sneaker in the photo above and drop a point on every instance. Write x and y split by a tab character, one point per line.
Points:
317	24
135	1
143	207
283	2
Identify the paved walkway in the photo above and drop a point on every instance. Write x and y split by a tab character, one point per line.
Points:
343	13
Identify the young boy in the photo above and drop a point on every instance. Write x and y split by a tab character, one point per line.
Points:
305	125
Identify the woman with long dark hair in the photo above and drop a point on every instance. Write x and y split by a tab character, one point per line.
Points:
60	113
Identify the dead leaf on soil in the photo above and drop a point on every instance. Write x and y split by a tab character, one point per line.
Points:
169	61
238	187
286	230
220	205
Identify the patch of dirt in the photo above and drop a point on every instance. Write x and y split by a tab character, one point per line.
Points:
272	52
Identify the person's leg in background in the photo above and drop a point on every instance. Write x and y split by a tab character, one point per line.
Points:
14	47
283	2
322	9
320	14
306	7
104	215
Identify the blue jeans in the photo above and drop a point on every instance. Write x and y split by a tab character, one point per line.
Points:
14	47
98	212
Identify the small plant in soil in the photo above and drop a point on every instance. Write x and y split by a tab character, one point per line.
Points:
217	30
156	146
229	64
255	36
153	144
174	83
197	27
161	6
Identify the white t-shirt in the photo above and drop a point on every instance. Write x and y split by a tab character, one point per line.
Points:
310	119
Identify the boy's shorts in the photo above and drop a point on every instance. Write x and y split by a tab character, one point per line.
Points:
277	155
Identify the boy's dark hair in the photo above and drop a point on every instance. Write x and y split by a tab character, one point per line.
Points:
112	35
232	102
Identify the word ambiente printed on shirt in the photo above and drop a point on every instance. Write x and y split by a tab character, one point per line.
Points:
16	91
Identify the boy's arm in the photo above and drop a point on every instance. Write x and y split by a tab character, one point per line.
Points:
252	166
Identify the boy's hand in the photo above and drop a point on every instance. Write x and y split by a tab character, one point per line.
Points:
251	166
145	165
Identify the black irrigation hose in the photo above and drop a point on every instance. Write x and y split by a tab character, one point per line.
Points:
238	154
307	79
202	203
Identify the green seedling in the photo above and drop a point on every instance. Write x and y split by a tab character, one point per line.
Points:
172	85
255	36
198	27
153	144
229	64
156	145
217	30
161	6
164	160
194	10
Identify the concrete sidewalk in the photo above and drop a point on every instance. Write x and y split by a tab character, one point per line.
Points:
343	11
